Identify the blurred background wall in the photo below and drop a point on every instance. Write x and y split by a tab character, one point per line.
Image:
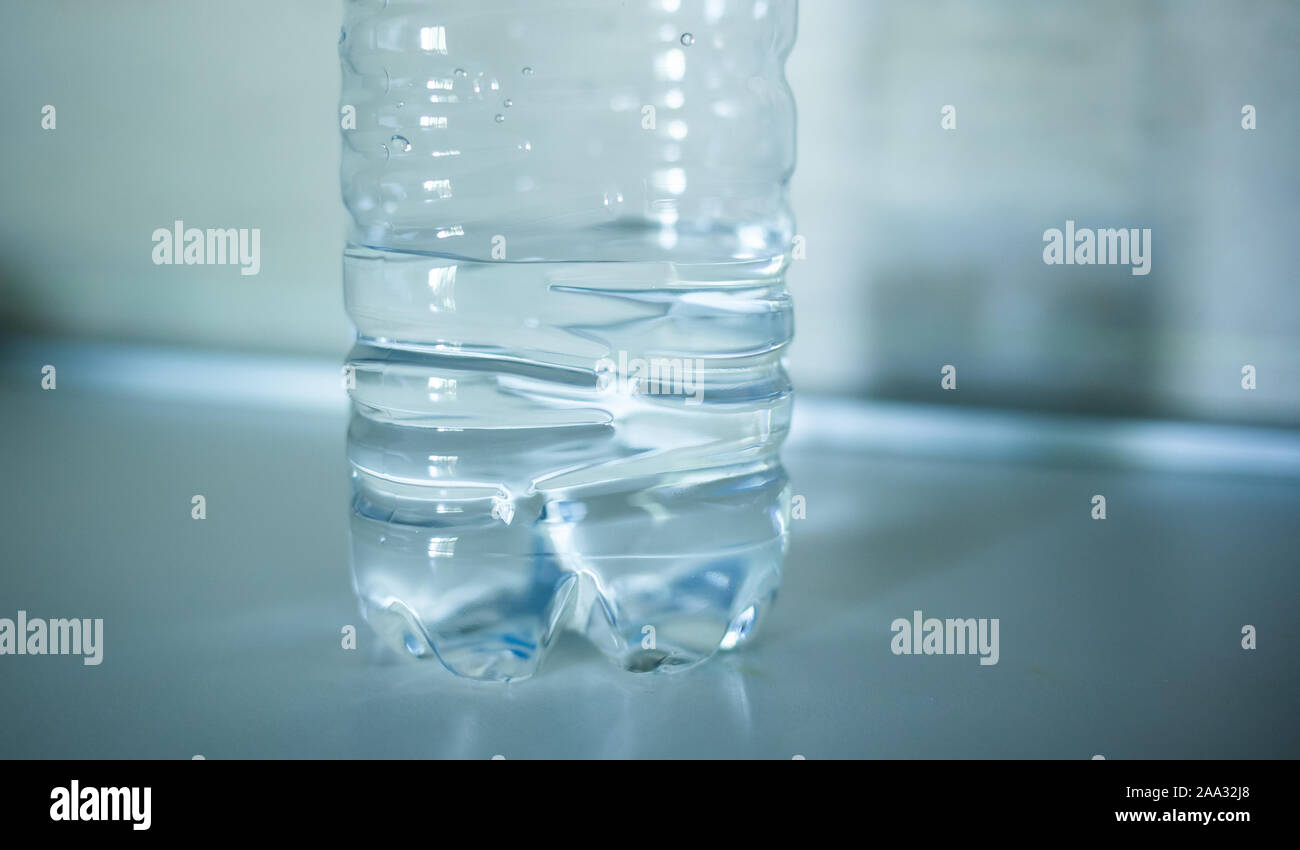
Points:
924	245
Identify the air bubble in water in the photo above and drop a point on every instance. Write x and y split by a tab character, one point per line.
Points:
401	142
508	103
499	118
527	71
613	199
526	147
687	39
460	72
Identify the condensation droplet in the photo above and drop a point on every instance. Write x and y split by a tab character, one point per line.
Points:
508	103
499	118
460	72
401	142
687	39
527	71
526	147
401	103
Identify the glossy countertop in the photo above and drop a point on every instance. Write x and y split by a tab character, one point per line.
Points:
1119	637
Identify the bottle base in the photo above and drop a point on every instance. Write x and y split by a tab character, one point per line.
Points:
496	647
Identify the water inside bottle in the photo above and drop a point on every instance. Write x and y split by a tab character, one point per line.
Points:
546	445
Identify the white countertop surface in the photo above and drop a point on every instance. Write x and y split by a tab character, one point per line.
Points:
1119	637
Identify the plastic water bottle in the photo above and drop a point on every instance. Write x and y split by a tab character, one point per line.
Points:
566	268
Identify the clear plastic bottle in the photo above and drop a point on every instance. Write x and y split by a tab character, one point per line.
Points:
567	274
